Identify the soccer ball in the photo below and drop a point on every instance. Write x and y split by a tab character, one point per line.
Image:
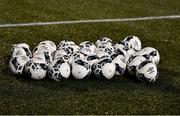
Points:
87	47
60	54
128	52
147	72
104	41
58	70
124	53
133	63
108	48
120	45
70	49
16	63
102	54
75	56
51	46
23	46
46	56
74	48
104	68
119	61
91	59
36	68
19	52
41	48
64	58
153	53
133	42
81	69
65	43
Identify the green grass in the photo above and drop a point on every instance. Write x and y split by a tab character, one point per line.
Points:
121	95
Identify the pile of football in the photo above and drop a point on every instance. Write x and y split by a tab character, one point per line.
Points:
102	59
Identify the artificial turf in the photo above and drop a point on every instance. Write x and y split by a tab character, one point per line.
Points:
121	95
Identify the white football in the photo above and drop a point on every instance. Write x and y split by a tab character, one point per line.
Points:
120	45
150	53
87	47
91	59
104	41
65	43
104	68
120	63
133	42
19	52
16	63
134	63
70	49
23	46
75	56
36	68
46	56
102	54
147	72
153	53
58	70
49	44
125	47
41	48
81	69
125	53
75	48
110	49
60	54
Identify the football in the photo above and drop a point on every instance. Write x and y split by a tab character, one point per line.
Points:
51	46
87	47
151	53
16	63
102	54
19	52
133	63
91	59
133	42
58	70
104	41
58	53
65	43
70	49
147	72
120	63
110	49
36	68
46	56
23	46
75	56
81	69
124	50
104	68
41	48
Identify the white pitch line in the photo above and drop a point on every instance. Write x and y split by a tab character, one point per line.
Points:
90	21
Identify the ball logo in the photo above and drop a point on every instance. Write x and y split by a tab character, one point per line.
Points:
150	70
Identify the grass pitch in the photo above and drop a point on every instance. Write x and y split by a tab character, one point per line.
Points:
121	95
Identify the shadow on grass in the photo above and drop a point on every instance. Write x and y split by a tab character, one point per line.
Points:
125	83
